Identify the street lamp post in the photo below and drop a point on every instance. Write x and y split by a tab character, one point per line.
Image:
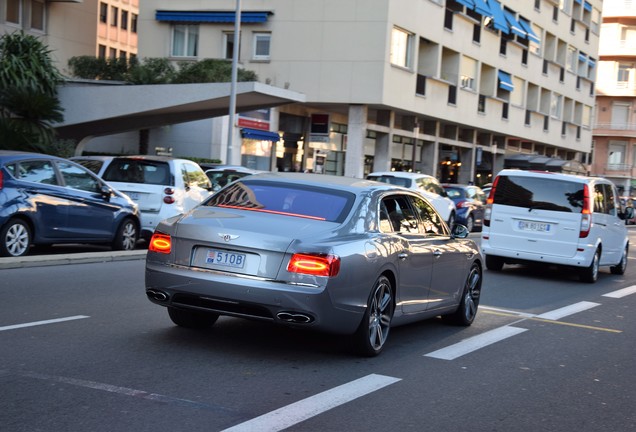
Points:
235	57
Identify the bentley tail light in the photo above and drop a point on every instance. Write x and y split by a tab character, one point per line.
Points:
160	243
314	264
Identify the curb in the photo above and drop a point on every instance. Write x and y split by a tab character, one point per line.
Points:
77	258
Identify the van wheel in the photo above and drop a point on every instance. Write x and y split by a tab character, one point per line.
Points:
619	269
590	274
494	263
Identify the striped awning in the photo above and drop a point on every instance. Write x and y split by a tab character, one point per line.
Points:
221	17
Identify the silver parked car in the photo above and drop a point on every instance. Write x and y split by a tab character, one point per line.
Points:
335	254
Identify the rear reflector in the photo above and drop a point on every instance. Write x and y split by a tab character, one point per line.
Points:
160	243
317	265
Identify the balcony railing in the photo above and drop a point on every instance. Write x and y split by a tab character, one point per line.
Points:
618	167
615	126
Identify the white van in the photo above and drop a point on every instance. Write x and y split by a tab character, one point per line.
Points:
554	218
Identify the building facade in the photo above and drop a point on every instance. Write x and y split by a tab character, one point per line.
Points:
103	28
614	154
446	87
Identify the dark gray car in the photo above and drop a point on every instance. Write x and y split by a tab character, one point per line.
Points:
329	253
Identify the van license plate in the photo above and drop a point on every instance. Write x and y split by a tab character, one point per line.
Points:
534	226
229	259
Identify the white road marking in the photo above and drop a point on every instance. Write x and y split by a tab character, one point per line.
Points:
507	311
37	323
302	410
622	292
568	310
474	343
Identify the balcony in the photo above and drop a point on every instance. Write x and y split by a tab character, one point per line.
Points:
626	130
619	170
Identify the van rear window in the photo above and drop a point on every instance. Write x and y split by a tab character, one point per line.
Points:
539	193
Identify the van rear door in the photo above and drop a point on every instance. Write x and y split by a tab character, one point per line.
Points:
536	215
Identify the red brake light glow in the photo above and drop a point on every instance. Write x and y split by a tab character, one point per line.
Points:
317	265
160	243
1	179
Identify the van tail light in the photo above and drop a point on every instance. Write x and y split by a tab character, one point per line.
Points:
314	264
489	202
160	243
586	213
168	199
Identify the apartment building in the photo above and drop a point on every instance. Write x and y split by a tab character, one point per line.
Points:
104	28
614	154
447	87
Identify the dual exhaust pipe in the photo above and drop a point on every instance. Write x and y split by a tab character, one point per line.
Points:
295	317
289	317
157	295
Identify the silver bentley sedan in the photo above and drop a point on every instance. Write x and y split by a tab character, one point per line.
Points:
313	251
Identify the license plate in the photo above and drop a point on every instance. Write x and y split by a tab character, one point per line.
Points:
133	195
228	259
534	226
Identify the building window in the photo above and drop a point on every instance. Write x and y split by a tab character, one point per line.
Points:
468	73
524	57
623	73
537	5
503	45
124	20
123	54
185	40
114	15
37	15
555	13
14	11
504	111
133	23
112	53
262	46
101	51
103	12
556	105
228	45
477	33
401	48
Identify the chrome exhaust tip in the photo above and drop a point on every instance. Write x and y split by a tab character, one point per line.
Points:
157	295
295	317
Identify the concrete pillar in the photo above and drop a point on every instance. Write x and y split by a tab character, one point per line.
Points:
357	132
80	146
467	169
382	154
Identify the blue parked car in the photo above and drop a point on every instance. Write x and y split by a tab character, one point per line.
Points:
470	202
48	200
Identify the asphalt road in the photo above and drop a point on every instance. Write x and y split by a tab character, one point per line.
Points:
81	349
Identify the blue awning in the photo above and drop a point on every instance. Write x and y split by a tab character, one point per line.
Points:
582	57
505	81
515	26
578	1
211	16
587	6
467	3
528	28
260	135
481	7
591	62
498	18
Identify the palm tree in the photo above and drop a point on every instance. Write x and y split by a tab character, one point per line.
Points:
28	94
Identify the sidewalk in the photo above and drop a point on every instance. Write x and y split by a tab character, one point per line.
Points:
72	258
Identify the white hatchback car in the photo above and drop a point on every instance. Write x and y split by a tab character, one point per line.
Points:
162	186
562	219
425	184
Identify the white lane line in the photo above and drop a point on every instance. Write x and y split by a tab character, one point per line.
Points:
474	343
302	410
568	310
622	292
37	323
507	311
